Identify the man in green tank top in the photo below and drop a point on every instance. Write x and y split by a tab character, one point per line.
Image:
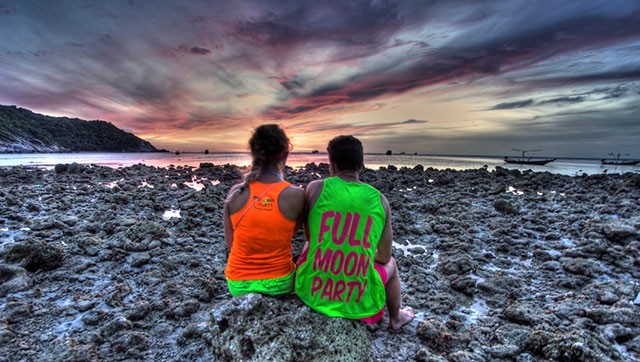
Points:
346	268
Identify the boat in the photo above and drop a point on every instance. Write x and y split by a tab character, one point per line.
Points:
617	161
177	152
389	153
206	152
315	151
528	161
524	160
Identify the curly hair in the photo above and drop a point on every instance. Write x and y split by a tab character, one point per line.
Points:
269	144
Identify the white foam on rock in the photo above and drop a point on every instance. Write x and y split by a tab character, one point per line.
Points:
478	309
145	184
113	184
515	191
195	183
168	214
405	248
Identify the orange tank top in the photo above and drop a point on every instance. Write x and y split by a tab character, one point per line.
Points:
262	236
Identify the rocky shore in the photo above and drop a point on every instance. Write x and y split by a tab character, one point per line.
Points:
127	264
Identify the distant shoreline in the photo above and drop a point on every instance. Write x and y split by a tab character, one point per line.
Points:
558	158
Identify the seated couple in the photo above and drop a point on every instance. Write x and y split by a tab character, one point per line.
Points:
346	268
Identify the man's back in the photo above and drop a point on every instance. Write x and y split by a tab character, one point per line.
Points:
345	223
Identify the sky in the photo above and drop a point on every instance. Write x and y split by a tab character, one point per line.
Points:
469	77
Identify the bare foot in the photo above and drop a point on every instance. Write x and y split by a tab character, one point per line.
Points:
405	316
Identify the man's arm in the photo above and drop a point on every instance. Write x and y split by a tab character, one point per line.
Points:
311	196
384	252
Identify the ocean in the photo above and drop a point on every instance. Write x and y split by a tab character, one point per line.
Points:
564	166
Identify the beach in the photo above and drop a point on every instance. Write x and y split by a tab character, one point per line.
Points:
99	263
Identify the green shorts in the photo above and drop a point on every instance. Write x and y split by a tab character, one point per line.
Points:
281	285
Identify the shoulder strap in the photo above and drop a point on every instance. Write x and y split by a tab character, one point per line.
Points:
235	226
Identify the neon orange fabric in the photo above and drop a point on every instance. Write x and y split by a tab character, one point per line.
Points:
262	239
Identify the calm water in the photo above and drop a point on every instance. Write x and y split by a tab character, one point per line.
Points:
374	161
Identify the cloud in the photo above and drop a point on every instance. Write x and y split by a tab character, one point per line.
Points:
194	50
200	51
5	10
302	61
512	105
519	48
413	121
530	102
571	100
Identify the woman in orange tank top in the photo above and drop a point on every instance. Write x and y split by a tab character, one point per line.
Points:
260	217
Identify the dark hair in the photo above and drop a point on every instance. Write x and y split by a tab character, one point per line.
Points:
346	153
269	144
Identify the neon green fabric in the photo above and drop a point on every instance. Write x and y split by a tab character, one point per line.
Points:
273	286
338	277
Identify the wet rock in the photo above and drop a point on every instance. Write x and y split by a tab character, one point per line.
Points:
84	305
501	285
69	220
498	189
120	198
506	207
624	316
504	350
139	311
93	317
511	334
191	332
587	267
40	225
13	279
522	313
131	342
456	264
422	355
146	230
620	234
184	309
255	328
441	303
617	333
76	352
6	335
439	338
464	356
203	290
140	259
466	285
115	325
34	255
16	312
575	346
551	265
61	168
634	344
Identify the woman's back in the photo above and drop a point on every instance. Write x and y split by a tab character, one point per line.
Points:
260	217
262	232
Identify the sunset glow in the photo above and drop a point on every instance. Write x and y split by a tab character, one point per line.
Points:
448	77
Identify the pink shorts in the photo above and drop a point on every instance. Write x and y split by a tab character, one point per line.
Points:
378	316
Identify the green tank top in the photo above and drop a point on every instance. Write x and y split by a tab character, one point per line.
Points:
338	277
